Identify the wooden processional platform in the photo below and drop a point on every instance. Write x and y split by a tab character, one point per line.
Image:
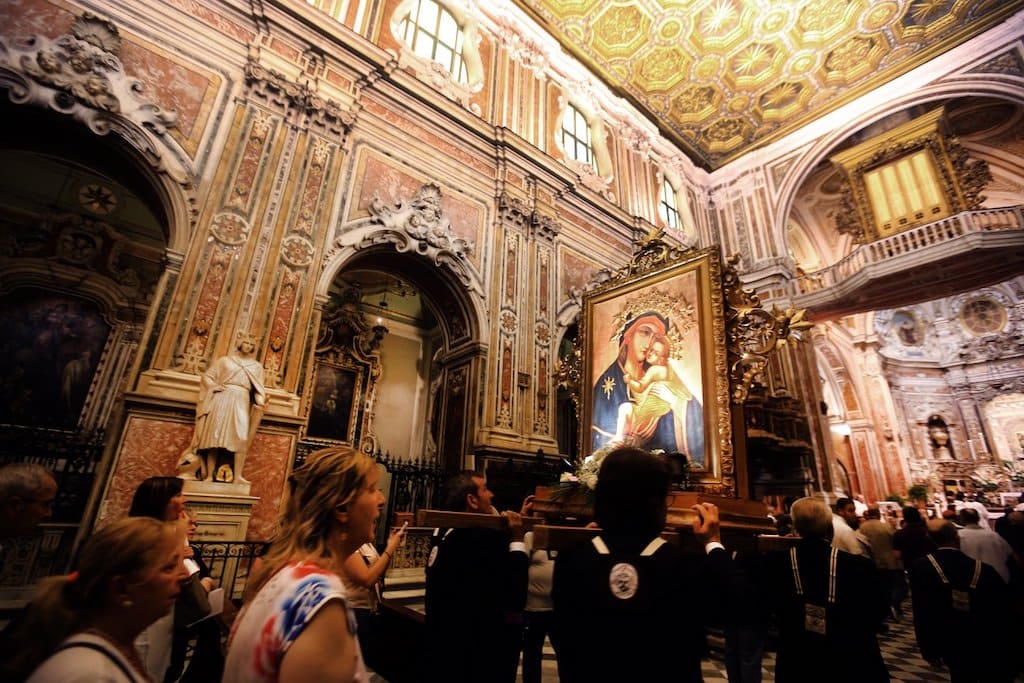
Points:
561	521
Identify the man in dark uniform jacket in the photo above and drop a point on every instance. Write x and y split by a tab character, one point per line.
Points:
627	605
962	612
829	605
475	592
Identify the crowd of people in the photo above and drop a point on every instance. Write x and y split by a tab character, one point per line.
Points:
623	604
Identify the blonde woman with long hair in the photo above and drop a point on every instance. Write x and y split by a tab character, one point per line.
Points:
83	626
297	625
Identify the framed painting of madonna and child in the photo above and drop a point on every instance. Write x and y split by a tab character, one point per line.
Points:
655	372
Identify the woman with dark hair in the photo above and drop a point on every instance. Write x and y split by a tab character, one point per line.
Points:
81	627
161	498
613	596
298	625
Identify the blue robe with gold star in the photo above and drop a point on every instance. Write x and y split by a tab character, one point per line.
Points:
611	391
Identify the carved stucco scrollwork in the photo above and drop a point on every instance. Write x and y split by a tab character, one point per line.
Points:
530	53
229	229
514	212
276	90
542	333
457	381
992	347
523	214
753	333
82	242
418	226
297	251
989	391
348	340
345	334
80	74
974	174
509	321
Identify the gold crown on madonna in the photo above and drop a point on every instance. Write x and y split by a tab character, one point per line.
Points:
677	314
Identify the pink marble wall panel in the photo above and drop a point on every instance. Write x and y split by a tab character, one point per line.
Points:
151	448
171	85
267	467
338	79
466	220
210	18
393	185
575	272
24	18
291	282
385	112
284	49
209	297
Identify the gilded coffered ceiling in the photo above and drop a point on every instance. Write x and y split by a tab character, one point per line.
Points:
723	76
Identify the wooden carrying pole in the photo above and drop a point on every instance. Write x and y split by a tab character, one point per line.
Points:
468	520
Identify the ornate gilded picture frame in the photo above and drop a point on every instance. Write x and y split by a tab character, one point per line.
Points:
334	410
655	369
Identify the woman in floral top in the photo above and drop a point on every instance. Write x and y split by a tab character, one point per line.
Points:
298	626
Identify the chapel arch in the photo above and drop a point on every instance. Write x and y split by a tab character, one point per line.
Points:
423	408
86	227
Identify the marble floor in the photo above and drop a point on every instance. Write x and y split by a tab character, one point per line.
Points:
898	648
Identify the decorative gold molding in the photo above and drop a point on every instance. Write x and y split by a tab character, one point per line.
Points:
754	333
958	179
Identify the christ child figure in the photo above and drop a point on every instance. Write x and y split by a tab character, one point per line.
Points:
639	416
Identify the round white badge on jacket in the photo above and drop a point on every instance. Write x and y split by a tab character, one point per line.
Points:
623	580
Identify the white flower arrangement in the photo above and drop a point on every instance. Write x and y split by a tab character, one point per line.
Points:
585	473
584	476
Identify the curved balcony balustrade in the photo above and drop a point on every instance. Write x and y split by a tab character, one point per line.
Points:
959	253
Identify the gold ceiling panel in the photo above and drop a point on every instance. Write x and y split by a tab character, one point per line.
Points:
620	31
660	68
721	77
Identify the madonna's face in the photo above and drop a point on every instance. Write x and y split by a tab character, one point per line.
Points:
643	337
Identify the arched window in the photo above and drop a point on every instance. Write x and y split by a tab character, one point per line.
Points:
432	33
576	136
667	206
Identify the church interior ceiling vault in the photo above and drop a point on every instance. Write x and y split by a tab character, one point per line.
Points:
992	130
723	77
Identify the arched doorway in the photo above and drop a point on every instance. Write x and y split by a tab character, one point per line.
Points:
83	241
422	368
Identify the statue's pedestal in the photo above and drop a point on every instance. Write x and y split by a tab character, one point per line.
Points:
222	510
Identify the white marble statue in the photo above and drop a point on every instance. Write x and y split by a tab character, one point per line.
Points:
231	402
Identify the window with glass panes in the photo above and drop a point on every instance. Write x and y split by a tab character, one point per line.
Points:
576	136
432	33
667	206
